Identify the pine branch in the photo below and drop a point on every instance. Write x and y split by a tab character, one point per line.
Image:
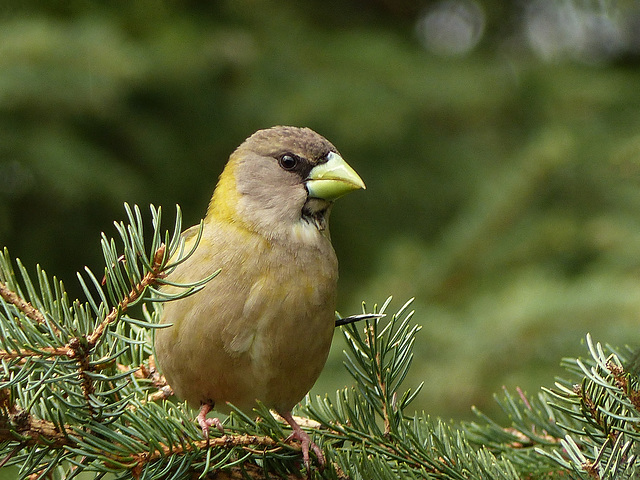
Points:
80	349
371	419
78	386
30	432
79	392
59	362
151	278
585	427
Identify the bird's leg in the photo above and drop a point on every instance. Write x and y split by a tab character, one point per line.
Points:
205	422
303	437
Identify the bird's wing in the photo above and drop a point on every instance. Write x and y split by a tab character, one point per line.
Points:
239	335
190	235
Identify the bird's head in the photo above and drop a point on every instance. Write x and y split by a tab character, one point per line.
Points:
282	179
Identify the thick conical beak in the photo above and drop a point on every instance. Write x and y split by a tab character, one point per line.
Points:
332	179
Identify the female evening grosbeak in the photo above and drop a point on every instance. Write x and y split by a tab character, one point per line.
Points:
262	328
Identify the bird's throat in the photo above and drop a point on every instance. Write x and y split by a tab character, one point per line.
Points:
315	212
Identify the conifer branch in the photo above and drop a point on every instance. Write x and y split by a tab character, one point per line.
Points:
151	373
22	355
78	348
623	380
81	348
30	431
79	391
251	443
137	291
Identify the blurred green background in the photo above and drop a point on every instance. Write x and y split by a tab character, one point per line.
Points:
500	144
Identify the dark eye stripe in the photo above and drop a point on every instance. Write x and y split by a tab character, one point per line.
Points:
295	164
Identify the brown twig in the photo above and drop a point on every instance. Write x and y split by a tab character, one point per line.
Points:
151	373
225	441
29	431
385	407
370	340
37	316
21	304
136	291
65	351
83	351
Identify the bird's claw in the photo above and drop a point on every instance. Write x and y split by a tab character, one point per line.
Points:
206	423
305	442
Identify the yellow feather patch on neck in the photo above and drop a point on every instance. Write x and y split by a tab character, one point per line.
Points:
225	196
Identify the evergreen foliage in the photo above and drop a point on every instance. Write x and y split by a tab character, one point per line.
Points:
587	425
79	393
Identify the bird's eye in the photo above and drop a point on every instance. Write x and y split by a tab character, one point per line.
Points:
288	162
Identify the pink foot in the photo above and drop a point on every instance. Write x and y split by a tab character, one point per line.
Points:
305	441
205	423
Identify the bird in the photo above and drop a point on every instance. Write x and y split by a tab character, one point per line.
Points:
261	329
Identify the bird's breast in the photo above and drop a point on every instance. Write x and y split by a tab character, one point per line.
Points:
261	329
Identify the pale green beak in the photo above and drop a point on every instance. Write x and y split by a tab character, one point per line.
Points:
333	179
